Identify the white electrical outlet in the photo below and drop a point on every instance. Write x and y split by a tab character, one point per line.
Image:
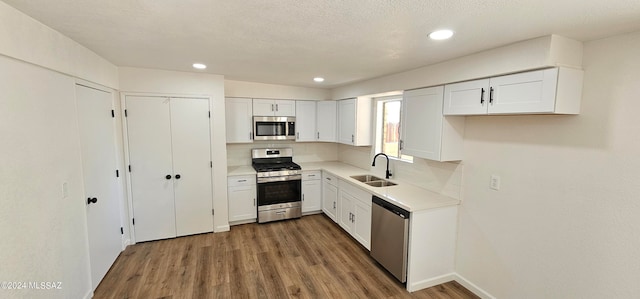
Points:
65	190
495	182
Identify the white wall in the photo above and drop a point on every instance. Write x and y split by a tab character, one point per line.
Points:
565	223
26	39
44	236
273	91
240	154
197	84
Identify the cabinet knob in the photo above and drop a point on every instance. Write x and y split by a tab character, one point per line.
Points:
168	177
178	176
91	200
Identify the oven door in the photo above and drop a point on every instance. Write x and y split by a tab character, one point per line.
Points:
279	190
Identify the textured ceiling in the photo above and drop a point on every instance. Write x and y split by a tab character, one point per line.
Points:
291	41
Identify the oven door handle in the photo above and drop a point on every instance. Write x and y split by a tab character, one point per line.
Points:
280	178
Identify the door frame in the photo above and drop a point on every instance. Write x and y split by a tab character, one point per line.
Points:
126	162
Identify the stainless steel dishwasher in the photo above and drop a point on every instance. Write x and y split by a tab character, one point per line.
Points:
389	237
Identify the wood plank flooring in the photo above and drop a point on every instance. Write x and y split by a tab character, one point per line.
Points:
311	257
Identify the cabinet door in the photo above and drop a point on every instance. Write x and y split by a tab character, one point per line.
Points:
422	122
346	204
466	98
330	200
262	107
347	121
149	138
311	196
305	121
191	165
362	223
530	92
242	203
284	108
239	120
326	121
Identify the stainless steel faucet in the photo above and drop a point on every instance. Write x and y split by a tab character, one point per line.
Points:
388	174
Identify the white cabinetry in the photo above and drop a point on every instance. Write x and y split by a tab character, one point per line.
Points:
548	91
426	133
354	206
326	121
239	123
169	159
311	191
354	121
268	107
242	198
330	195
305	121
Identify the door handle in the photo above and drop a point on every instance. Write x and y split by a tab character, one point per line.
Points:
178	176
491	95
482	96
91	200
168	177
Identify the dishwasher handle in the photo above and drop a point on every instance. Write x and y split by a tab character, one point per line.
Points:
391	207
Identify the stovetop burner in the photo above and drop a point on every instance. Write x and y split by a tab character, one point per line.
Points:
274	162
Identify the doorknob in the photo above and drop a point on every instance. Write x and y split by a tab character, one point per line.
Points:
168	177
91	200
177	176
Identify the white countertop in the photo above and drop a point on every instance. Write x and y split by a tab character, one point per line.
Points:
404	195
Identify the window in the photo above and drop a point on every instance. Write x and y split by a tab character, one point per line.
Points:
389	110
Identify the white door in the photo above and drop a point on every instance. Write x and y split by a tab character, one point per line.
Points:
242	202
97	140
305	121
191	165
263	107
530	92
149	134
362	223
285	108
326	121
466	98
347	121
422	122
239	120
311	196
345	210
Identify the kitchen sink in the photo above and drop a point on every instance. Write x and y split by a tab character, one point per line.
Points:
380	183
366	178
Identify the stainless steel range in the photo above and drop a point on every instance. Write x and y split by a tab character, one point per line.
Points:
279	184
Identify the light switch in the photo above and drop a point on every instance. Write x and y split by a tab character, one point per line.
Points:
65	190
495	182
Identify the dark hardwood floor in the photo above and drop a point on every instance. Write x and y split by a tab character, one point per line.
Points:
309	257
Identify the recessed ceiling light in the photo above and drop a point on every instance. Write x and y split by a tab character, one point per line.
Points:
441	34
318	79
199	66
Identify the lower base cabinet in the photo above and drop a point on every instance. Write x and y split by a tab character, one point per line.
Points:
354	205
311	192
330	195
242	199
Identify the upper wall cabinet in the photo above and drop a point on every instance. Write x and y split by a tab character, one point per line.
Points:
326	121
549	91
239	124
354	121
267	107
305	121
426	133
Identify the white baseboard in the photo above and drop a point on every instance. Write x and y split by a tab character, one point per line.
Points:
222	228
472	287
125	243
89	294
427	283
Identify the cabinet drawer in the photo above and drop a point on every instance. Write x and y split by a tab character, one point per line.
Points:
359	194
311	175
242	180
329	178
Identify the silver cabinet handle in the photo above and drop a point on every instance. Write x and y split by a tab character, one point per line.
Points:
334	204
349	216
302	197
272	107
329	179
311	175
318	135
277	107
401	144
240	181
254	202
353	218
297	135
352	138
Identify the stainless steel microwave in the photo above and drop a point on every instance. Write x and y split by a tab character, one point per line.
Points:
274	128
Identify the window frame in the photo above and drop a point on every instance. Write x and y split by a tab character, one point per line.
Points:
379	126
